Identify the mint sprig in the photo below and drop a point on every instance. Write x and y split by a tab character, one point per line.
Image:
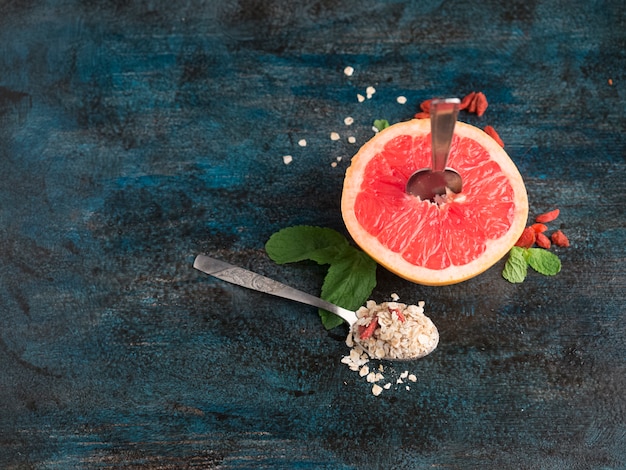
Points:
541	260
381	124
351	275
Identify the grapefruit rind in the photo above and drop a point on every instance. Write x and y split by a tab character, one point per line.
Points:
394	261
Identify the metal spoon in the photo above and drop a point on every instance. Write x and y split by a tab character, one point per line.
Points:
428	183
243	277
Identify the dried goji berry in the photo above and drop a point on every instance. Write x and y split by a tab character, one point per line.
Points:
471	107
491	132
425	105
481	103
397	311
368	331
527	239
543	241
559	239
467	99
539	228
422	115
547	217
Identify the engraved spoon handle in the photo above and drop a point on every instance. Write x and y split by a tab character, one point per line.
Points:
243	277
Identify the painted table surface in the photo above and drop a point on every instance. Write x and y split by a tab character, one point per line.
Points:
135	135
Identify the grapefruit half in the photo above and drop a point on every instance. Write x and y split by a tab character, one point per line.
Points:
433	243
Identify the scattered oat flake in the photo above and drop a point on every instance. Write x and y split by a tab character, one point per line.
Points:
287	159
395	297
334	136
348	71
352	139
401	99
360	98
333	164
369	91
387	386
302	142
376	390
339	159
412	378
348	121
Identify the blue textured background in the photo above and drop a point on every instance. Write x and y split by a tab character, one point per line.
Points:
134	135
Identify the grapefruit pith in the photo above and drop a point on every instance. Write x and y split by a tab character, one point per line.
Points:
433	243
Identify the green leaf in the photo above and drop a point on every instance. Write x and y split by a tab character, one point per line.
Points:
516	266
304	242
381	124
351	276
543	261
348	283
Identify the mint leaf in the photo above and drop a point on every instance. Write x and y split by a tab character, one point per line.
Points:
304	242
349	283
381	124
543	261
351	276
516	266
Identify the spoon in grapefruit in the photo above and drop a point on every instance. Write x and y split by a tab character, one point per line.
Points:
433	243
428	183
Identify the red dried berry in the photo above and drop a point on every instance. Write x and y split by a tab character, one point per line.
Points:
491	132
543	241
527	239
368	331
481	103
422	115
467	99
559	239
539	228
425	105
547	217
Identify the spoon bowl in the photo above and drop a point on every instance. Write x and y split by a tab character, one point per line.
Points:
428	183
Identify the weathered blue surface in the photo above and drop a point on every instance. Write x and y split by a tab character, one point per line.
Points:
134	135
